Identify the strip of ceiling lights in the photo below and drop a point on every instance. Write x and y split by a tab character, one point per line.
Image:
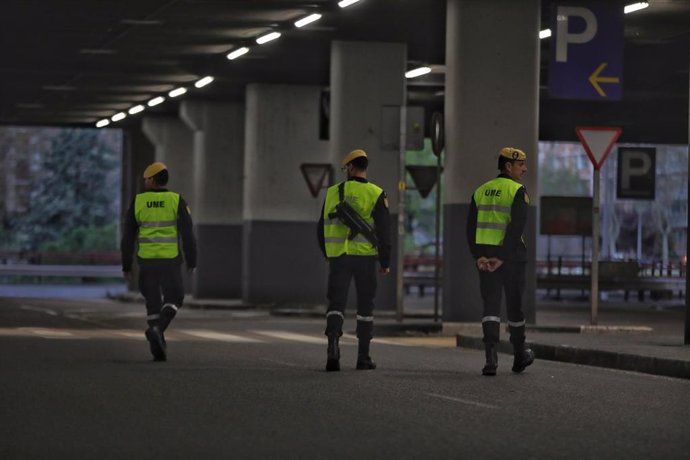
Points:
238	52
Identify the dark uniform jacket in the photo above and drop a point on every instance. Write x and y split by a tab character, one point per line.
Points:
382	225
513	247
185	229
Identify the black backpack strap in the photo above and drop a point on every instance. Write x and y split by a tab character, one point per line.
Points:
341	192
341	197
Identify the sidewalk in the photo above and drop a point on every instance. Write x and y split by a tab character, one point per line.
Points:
636	336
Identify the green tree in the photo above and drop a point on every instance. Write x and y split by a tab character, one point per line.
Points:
71	189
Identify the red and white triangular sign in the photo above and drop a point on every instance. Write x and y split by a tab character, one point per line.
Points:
598	142
317	175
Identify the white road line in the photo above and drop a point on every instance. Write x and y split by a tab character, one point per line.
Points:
275	361
391	342
376	340
463	401
49	333
47	311
78	317
284	335
130	334
220	336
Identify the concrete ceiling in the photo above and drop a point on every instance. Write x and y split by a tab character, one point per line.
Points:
73	62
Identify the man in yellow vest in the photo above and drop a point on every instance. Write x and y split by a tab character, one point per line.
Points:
155	221
353	254
497	218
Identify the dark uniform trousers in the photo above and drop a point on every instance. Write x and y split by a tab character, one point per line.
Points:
509	277
157	279
342	270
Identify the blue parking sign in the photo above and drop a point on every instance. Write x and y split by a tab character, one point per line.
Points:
587	51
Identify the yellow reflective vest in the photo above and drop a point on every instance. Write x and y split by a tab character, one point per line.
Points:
362	196
156	215
494	201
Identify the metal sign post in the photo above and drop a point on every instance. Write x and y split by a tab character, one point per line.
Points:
594	270
597	142
687	274
437	145
399	287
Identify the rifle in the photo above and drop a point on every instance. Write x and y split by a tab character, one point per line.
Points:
353	220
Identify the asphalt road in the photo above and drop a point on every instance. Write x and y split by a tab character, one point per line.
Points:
77	382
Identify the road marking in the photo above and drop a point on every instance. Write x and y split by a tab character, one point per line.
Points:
131	334
220	336
276	361
463	401
47	311
291	336
49	333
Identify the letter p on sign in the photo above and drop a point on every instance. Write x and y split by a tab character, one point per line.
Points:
564	37
636	173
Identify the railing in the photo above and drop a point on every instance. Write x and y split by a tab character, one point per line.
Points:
37	266
419	271
661	280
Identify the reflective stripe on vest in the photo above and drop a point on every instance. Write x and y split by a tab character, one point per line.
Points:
494	200
156	214
362	196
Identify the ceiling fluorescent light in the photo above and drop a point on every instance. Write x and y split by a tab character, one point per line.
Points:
238	52
203	82
155	101
308	20
267	38
177	92
102	123
635	7
136	109
118	116
346	3
546	33
417	72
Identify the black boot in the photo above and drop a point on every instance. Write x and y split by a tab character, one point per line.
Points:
333	360
157	343
491	359
522	357
364	361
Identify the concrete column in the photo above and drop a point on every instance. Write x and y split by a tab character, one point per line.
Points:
217	199
281	260
174	146
365	77
492	84
137	153
173	143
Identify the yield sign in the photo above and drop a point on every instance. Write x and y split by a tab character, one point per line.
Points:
424	178
317	175
598	142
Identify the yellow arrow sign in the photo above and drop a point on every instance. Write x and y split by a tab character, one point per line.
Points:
595	79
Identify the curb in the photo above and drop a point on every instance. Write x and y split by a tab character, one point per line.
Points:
589	357
455	328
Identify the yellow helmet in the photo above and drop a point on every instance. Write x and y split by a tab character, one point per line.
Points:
352	155
513	154
153	169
